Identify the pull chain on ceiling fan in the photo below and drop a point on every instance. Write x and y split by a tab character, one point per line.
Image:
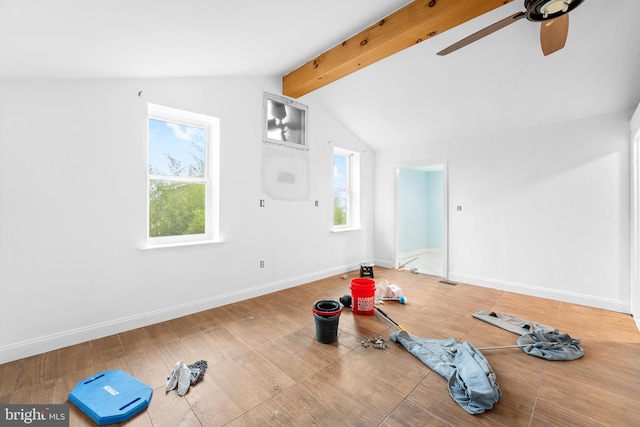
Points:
553	16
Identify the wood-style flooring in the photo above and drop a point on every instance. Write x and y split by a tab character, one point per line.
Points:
266	367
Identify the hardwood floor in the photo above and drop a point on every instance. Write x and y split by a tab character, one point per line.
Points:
267	368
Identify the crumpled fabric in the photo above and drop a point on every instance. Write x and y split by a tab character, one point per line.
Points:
551	345
179	377
536	339
184	376
510	323
471	380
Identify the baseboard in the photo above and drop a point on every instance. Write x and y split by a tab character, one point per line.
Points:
570	297
417	252
385	263
63	339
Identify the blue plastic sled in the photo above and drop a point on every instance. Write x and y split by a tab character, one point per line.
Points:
110	397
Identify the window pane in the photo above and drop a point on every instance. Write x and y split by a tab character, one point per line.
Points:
339	171
176	149
176	208
340	202
339	207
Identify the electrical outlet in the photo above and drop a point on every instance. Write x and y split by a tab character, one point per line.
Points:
261	264
262	203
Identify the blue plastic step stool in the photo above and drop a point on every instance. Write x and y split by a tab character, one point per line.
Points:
111	397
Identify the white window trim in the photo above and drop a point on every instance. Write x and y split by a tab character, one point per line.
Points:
211	179
353	190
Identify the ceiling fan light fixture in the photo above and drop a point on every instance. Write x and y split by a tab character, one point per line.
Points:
542	10
554	6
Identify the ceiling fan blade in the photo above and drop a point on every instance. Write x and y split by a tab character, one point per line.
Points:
553	34
483	33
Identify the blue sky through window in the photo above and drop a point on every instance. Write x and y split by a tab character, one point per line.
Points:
186	144
339	171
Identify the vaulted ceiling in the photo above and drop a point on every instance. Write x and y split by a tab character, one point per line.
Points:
499	83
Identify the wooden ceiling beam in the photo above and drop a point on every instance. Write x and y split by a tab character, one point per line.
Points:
412	24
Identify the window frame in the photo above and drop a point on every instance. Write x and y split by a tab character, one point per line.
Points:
352	189
211	125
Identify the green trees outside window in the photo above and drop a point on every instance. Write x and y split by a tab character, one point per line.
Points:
177	179
340	189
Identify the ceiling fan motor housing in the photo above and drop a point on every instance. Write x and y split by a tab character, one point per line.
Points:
543	10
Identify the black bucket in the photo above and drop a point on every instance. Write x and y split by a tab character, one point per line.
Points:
327	315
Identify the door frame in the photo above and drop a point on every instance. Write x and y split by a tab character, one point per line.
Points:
635	227
445	207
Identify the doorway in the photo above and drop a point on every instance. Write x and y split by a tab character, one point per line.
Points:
421	218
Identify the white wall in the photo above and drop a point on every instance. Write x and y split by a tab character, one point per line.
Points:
545	211
72	210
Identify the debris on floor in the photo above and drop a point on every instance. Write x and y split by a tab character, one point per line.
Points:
184	376
375	342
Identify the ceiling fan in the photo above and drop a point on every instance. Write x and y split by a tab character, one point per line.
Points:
553	16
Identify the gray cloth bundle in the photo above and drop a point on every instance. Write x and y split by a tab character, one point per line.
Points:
551	345
471	380
536	339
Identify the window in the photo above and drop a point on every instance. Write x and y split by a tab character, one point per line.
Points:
183	163
346	189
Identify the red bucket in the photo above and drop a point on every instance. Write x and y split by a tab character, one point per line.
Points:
363	292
